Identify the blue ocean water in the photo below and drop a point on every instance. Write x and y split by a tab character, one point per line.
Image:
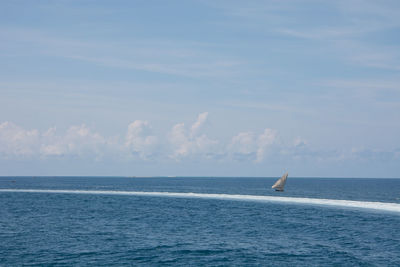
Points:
80	227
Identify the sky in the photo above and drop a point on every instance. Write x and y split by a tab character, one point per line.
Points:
200	88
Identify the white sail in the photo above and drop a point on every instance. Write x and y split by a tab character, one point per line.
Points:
278	186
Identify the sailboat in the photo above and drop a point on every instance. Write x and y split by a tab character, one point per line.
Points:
278	185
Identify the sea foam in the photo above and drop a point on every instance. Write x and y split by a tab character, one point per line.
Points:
382	206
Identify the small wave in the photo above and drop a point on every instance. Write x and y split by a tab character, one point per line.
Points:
383	206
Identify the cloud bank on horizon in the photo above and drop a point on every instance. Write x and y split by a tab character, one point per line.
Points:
181	144
138	143
115	87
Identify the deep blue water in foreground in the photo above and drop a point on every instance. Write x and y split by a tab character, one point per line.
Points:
46	229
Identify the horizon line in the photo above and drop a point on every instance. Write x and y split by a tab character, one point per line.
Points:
188	176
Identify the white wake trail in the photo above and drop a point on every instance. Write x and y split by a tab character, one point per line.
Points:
383	206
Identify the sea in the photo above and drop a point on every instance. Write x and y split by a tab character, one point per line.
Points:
198	221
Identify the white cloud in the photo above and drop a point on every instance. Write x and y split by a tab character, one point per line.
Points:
139	139
266	139
179	140
201	119
76	141
52	146
249	146
16	141
243	143
185	144
79	140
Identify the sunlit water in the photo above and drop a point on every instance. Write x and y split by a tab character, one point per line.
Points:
199	221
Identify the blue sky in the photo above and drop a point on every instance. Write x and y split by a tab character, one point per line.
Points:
215	88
